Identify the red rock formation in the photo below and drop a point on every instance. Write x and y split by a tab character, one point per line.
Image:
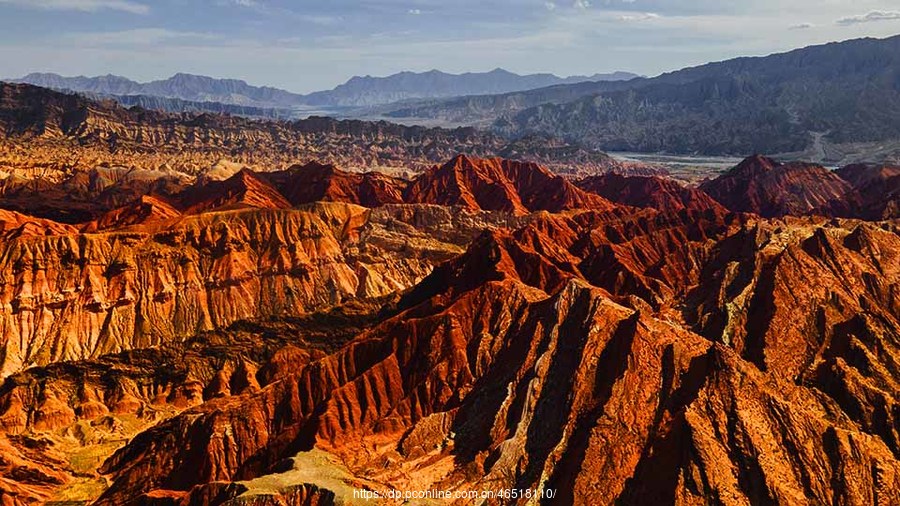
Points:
649	191
29	471
146	210
86	195
74	296
500	185
314	182
14	225
245	189
765	187
877	188
601	353
505	368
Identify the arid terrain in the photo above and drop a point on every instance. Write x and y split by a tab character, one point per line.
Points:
203	309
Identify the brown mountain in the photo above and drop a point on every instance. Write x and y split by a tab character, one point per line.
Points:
877	188
49	135
500	185
316	182
649	191
245	189
768	188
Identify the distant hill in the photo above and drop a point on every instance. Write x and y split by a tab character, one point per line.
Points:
369	91
178	105
180	86
816	99
63	130
357	92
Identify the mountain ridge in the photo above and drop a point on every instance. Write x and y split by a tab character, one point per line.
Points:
358	91
829	97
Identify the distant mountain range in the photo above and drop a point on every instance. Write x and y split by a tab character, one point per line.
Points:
825	102
357	92
178	105
181	86
369	91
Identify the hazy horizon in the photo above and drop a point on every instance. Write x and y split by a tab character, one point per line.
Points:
304	47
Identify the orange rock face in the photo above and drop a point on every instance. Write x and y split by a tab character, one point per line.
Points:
74	296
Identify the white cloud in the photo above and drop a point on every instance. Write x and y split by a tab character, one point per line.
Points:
582	4
638	16
82	5
801	26
869	18
550	6
414	12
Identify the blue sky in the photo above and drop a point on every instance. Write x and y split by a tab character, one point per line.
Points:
307	45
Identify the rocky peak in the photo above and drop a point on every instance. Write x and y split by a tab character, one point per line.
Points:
762	186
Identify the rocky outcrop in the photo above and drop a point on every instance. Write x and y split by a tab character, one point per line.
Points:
315	182
768	188
245	189
146	210
500	185
650	191
877	188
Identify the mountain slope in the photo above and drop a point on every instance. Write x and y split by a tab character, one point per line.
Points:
188	87
357	92
499	185
877	188
369	91
649	191
848	92
768	188
63	133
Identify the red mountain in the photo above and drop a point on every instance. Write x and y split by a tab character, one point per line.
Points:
499	185
145	210
877	188
316	182
246	189
649	191
768	188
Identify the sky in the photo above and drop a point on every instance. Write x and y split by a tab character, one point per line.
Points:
305	45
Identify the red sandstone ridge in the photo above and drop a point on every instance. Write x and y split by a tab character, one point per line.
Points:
146	210
77	295
877	188
500	185
649	191
316	182
13	225
768	188
673	354
245	189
